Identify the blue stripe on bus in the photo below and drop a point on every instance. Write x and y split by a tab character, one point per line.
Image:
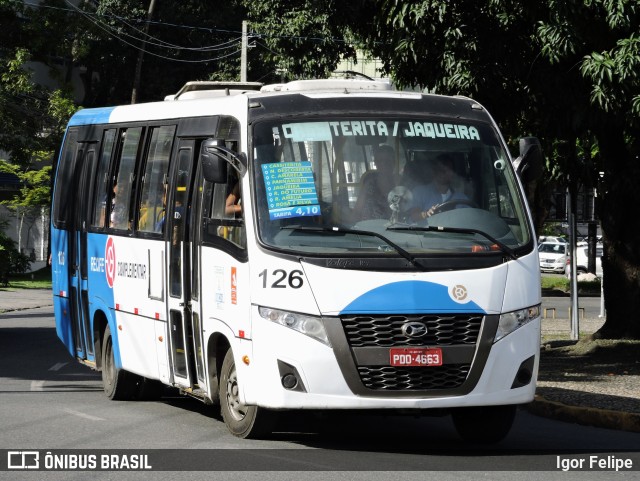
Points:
102	296
409	297
91	116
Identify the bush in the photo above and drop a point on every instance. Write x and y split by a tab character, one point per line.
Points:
560	283
11	260
563	284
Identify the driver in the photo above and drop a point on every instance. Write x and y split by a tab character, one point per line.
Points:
427	198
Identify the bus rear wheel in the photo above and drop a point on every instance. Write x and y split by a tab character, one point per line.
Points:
484	424
118	384
242	421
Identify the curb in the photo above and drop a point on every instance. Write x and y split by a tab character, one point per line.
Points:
26	308
601	418
20	299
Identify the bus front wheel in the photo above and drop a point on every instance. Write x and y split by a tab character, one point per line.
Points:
118	384
485	424
242	421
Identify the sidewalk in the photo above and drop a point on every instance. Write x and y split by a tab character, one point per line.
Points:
600	388
595	383
18	299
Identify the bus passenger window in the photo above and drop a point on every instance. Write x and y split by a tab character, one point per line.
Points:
101	190
223	210
124	177
153	199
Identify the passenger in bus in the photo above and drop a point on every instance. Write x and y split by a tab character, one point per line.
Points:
428	198
178	212
233	206
375	186
152	213
118	218
161	213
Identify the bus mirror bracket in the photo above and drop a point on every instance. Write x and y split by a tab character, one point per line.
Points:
529	163
215	157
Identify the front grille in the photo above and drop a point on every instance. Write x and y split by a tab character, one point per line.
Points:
386	331
449	376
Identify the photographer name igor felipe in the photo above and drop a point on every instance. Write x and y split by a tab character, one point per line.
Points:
595	462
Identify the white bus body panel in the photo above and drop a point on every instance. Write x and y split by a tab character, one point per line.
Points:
139	304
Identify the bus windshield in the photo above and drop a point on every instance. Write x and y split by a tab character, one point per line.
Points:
426	185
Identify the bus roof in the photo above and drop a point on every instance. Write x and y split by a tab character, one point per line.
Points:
197	99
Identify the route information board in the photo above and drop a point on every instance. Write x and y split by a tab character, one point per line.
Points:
290	190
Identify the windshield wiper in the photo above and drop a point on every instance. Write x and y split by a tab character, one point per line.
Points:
458	230
340	230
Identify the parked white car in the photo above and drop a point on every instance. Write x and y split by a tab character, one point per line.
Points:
552	239
582	260
553	256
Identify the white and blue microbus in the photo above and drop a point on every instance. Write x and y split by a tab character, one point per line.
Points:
325	245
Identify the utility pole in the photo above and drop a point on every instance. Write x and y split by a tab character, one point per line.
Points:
138	74
573	282
243	53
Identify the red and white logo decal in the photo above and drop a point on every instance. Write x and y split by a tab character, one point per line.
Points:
110	261
234	286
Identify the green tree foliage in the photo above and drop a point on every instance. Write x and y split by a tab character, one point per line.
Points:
183	41
34	192
35	184
304	38
603	44
20	108
32	118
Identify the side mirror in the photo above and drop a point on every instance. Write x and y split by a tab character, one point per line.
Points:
215	157
214	167
530	162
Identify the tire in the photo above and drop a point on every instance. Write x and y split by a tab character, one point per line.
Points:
484	424
249	422
119	385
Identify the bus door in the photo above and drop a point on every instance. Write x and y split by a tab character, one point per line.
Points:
184	327
78	268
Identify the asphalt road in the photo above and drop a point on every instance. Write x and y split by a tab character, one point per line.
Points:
49	402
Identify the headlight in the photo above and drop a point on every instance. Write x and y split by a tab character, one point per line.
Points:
511	321
307	325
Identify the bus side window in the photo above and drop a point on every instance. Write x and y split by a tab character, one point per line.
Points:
154	189
223	211
62	197
124	178
101	191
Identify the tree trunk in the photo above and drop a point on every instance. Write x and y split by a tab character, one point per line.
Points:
43	229
621	236
20	215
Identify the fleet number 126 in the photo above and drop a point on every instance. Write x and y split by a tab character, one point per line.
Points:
280	279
